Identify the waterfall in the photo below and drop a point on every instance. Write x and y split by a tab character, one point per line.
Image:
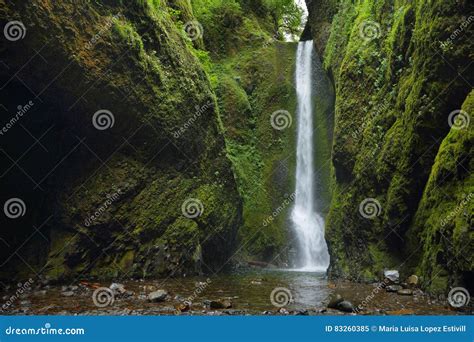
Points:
308	224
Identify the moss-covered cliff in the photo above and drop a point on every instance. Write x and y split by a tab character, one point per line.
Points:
400	69
112	202
254	78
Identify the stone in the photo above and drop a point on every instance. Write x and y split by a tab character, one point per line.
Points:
157	296
392	275
405	292
334	300
220	304
345	306
413	280
117	288
67	294
393	288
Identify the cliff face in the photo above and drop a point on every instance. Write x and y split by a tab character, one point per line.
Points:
120	160
402	158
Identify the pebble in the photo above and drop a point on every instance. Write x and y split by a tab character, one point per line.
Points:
158	296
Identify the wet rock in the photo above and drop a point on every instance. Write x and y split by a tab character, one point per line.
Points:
283	311
393	288
405	292
301	312
345	306
183	307
413	280
67	294
220	304
117	288
157	296
149	288
334	300
392	275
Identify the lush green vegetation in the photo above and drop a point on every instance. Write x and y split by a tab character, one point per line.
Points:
395	88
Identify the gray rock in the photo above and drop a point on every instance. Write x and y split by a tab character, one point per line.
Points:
393	288
157	296
405	292
334	300
220	304
392	275
117	288
345	306
67	294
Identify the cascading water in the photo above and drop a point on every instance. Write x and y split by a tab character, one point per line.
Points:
308	224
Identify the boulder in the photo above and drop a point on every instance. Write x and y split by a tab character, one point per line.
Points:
117	288
413	280
220	304
345	306
334	300
392	275
393	288
157	296
405	292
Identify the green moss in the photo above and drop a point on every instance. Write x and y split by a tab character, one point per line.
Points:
389	125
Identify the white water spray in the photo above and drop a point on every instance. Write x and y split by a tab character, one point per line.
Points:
308	224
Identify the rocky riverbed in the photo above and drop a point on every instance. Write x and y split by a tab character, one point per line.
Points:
246	293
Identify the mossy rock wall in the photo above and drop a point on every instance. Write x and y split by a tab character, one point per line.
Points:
166	146
399	68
